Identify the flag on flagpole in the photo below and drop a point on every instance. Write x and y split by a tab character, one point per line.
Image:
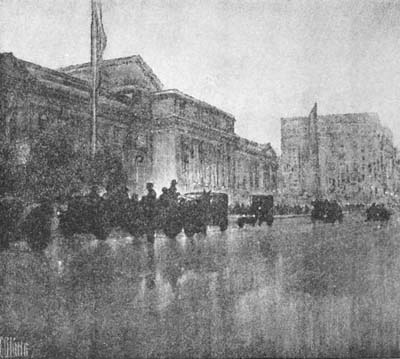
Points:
98	44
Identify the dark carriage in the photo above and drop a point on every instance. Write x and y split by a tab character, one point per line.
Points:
20	220
378	213
326	211
11	210
200	209
84	215
261	210
170	218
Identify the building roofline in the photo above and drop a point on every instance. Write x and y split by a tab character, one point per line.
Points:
370	114
176	92
107	62
137	59
61	80
41	70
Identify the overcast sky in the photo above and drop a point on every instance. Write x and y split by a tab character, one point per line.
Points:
259	60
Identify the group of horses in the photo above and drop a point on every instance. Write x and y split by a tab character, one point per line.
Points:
32	223
98	215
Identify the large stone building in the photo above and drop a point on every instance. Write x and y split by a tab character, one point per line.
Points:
350	157
160	134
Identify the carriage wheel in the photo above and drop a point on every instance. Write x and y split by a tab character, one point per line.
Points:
4	242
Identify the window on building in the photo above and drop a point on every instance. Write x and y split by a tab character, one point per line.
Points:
256	177
43	122
185	156
182	107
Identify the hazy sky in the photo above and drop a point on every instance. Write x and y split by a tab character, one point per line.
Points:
259	60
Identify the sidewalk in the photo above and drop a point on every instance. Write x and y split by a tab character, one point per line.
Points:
234	217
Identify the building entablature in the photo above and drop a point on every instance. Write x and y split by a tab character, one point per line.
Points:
175	102
253	148
178	124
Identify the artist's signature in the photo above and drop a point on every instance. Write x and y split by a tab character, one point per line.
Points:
10	347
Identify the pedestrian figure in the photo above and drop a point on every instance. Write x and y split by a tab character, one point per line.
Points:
173	192
151	193
135	217
95	214
149	207
164	197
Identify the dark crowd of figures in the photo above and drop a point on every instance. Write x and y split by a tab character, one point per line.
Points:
98	214
170	213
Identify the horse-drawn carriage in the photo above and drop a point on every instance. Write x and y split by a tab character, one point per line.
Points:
378	213
200	209
326	211
261	210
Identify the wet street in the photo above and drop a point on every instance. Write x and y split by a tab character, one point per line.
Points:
289	290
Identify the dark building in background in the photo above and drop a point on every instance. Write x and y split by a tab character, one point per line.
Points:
160	134
350	157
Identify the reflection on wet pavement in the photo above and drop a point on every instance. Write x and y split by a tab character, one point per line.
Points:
290	290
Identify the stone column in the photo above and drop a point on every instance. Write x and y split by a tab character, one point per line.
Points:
164	160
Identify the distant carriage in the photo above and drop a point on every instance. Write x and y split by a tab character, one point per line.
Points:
200	209
378	213
261	210
326	211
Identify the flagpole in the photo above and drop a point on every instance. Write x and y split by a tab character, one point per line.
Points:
93	56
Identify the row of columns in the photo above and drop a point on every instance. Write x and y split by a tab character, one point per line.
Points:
207	164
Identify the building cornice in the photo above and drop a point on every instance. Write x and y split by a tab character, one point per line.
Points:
180	94
179	123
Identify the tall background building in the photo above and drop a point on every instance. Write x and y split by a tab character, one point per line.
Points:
349	157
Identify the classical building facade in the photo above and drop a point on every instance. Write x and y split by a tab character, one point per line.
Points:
350	157
160	134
